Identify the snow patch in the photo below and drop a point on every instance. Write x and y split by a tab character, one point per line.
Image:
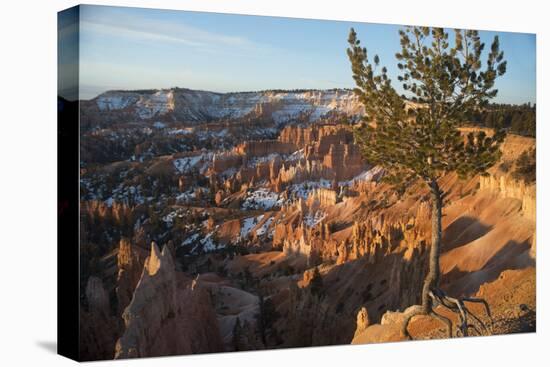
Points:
186	164
312	220
249	224
262	199
116	101
263	229
302	190
372	174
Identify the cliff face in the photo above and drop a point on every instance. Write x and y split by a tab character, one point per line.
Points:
166	317
507	187
196	106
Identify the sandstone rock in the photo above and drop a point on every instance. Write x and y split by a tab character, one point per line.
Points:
362	321
264	148
130	260
510	188
323	197
389	329
164	318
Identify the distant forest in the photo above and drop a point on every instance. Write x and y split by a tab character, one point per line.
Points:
518	119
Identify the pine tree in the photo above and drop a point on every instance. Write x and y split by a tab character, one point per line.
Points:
526	166
417	137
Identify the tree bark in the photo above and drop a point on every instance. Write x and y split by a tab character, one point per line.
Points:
432	278
432	295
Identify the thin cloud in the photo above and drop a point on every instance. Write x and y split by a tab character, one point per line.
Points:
143	29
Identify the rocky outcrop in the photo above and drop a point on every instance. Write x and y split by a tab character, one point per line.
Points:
322	198
264	147
377	238
225	161
510	188
130	261
167	315
511	298
371	239
344	160
362	321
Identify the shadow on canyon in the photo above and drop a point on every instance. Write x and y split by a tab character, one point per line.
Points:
462	231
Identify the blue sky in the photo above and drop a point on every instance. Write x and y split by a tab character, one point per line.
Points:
132	48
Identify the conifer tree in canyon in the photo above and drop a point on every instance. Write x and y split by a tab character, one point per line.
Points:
416	136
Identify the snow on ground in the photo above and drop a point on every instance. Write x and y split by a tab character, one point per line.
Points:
318	112
303	189
262	199
208	243
296	156
159	125
119	101
200	105
170	217
126	194
226	111
184	131
311	220
186	164
369	175
290	112
151	105
263	229
254	161
186	196
248	224
189	240
202	244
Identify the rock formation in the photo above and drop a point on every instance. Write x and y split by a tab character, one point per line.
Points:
130	260
299	154
166	317
362	321
264	147
195	106
510	188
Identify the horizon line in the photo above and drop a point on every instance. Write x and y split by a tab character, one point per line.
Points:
254	91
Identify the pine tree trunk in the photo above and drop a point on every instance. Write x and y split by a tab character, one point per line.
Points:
432	278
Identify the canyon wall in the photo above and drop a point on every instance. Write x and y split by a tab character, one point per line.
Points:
195	106
508	187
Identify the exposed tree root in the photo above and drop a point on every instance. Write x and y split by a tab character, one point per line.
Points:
456	305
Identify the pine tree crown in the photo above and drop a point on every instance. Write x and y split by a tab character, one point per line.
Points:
417	135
